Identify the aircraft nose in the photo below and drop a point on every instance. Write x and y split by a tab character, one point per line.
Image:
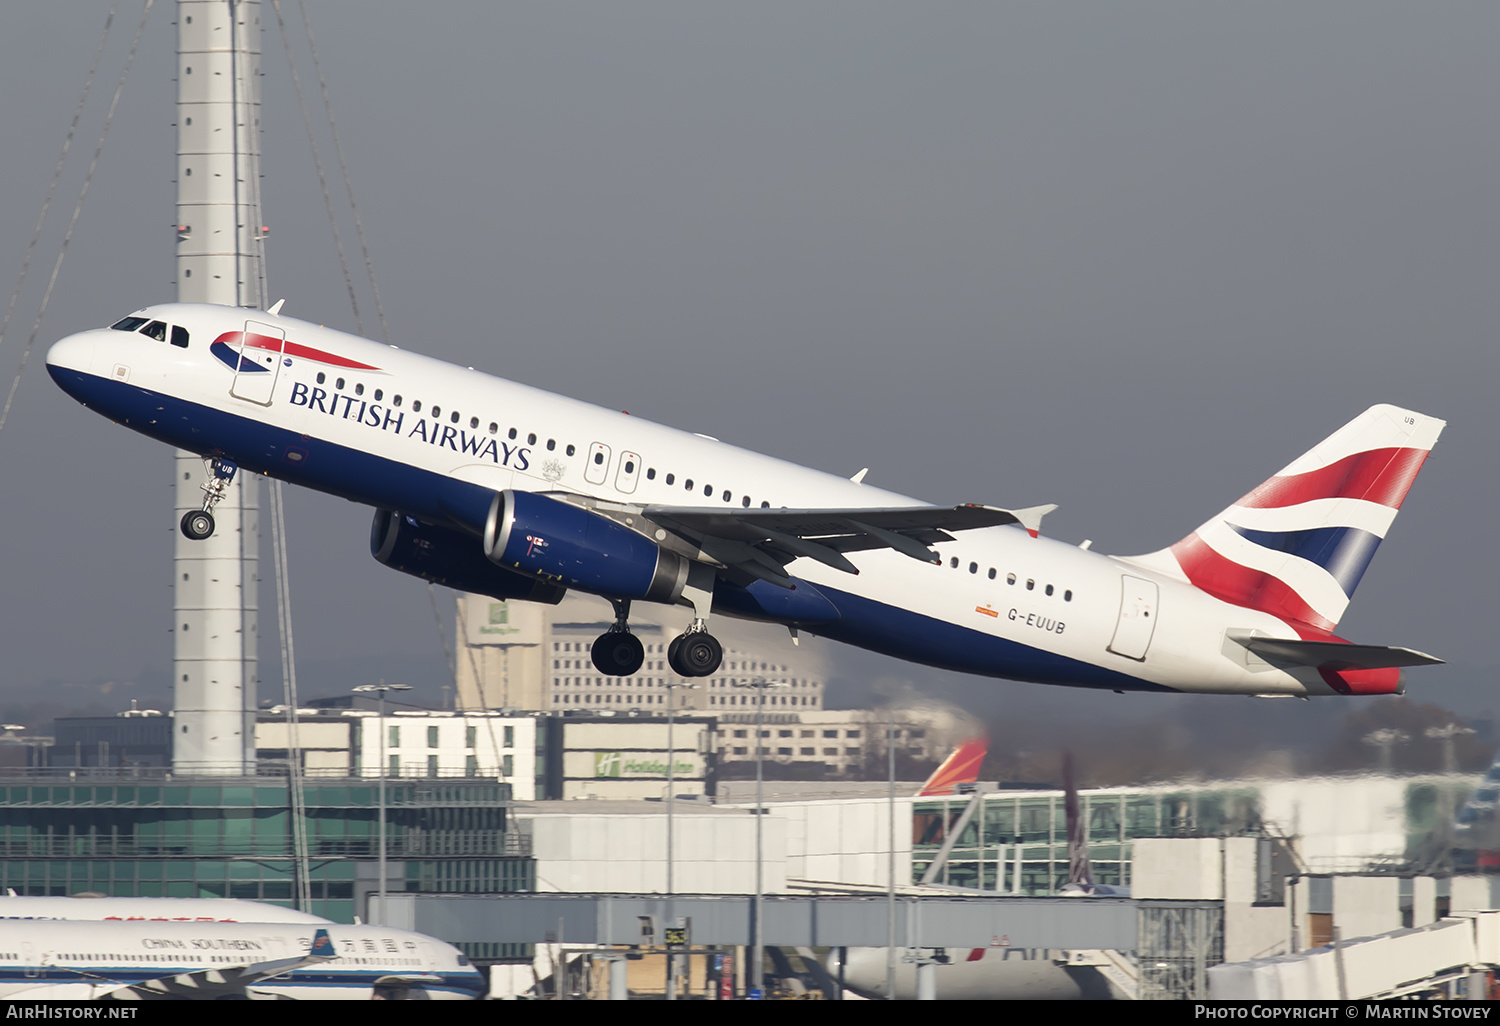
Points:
74	353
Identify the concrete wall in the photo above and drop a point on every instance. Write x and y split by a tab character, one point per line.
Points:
845	841
1474	893
1364	906
712	853
1182	868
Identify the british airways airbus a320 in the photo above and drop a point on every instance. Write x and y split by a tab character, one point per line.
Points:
500	489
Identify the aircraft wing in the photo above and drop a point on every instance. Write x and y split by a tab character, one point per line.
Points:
761	542
1338	655
230	981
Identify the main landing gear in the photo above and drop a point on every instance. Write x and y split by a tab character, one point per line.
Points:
617	652
198	524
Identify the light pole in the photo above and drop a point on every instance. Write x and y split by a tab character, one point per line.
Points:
758	951
380	689
671	687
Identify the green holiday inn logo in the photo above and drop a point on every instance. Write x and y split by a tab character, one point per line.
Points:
499	620
615	764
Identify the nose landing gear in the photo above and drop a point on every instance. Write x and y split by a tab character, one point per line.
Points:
617	652
198	524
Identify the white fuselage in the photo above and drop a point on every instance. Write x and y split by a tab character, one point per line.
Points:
82	961
325	414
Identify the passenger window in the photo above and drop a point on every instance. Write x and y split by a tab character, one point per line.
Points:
512	433
728	495
650	473
416	406
992	573
551	444
323	377
765	505
1049	589
598	458
473	422
339	384
630	466
1010	578
531	439
954	563
973	568
179	336
571	450
128	324
379	395
437	411
454	417
688	484
708	490
671	478
745	502
156	330
1030	585
395	400
1068	596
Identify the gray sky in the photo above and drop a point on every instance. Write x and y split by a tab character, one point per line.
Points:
1129	258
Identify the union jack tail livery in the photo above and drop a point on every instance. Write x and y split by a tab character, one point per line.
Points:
1297	546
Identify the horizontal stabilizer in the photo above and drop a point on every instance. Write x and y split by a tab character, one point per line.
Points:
1337	655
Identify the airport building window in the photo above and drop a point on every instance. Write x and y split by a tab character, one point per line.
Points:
852	733
830	751
510	737
809	751
783	751
432	765
393	739
851	751
432	737
471	734
394	769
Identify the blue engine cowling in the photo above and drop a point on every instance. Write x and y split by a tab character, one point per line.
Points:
450	558
531	534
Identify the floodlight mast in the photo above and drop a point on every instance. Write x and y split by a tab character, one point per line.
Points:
380	689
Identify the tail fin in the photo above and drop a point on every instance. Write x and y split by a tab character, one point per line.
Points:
962	767
1297	546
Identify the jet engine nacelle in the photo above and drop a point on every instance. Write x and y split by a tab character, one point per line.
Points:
447	557
532	534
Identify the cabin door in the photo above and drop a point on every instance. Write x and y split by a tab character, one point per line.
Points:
1137	618
259	350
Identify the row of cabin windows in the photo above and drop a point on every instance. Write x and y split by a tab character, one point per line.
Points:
454	417
158	330
1011	579
436	412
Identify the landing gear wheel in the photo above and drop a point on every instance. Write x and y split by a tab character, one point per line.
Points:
197	524
695	655
618	653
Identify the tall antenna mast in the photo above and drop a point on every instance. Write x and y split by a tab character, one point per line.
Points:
219	260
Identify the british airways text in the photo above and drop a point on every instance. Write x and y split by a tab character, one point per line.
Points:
348	407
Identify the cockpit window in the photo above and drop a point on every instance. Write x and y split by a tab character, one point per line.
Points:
156	330
179	336
128	323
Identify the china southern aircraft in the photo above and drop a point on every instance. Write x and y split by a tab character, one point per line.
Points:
500	489
136	961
